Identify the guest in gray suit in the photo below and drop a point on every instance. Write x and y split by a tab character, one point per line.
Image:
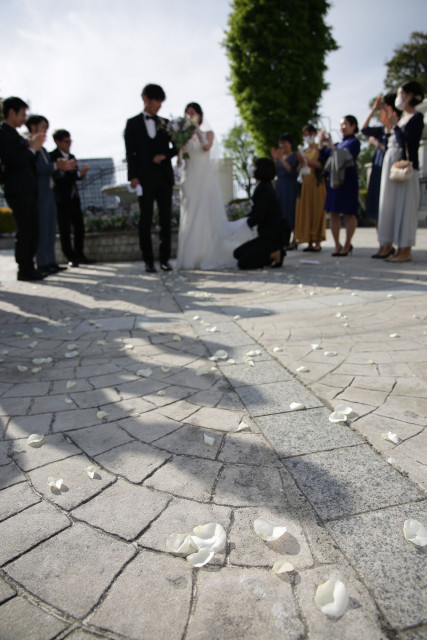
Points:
46	204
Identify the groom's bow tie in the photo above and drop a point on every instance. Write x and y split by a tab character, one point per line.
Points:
150	117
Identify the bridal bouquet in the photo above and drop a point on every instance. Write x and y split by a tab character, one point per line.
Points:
180	130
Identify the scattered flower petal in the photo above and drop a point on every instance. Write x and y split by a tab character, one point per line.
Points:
22	368
390	295
202	557
127	347
144	373
330	354
208	440
161	393
71	384
251	363
316	347
236	317
165	369
331	598
135	414
33	344
415	532
37	330
101	342
370	362
338	416
296	406
179	543
394	335
282	566
391	460
68	401
196	317
210	536
391	437
102	415
176	338
221	354
72	347
344	408
276	349
36	369
91	471
38	360
35	439
71	354
268	530
302	370
18	447
212	330
231	361
55	483
202	370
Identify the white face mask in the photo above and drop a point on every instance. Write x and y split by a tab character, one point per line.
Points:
308	140
400	101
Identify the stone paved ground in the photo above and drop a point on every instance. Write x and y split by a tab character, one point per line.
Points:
90	561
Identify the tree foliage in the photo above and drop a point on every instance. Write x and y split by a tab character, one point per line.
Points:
277	51
409	62
239	146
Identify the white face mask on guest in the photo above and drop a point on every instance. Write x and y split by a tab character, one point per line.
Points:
308	140
401	101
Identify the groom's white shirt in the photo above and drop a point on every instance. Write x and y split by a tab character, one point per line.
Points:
150	125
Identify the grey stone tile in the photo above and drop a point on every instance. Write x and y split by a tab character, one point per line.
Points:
178	410
23	426
15	499
14	406
247	549
10	474
140	594
276	397
391	566
307	431
140	387
414	634
348	481
149	426
6	592
359	622
56	570
181	516
134	461
20	620
34	525
253	604
76	419
4	451
53	447
244	485
48	404
123	509
248	448
241	375
220	419
186	477
93	399
28	389
189	440
96	440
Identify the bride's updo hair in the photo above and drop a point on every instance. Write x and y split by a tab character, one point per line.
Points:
417	92
265	170
197	108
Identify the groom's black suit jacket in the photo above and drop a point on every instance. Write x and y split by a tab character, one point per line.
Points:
141	149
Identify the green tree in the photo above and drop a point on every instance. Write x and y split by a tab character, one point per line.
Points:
409	62
277	51
239	146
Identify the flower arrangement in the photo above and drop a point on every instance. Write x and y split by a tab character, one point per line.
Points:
180	130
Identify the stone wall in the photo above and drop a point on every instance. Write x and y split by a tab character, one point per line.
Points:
115	246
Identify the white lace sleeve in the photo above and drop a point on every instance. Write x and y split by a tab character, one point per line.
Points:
202	137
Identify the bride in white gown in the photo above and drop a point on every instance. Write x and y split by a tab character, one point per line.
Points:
206	238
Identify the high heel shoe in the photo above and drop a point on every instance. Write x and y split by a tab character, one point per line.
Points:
292	246
347	253
386	255
277	265
335	254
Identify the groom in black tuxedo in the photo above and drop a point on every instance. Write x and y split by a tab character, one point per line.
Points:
148	152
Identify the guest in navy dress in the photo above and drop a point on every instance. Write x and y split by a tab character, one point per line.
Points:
286	184
343	192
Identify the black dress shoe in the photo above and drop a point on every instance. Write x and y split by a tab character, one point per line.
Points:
150	268
30	275
56	268
165	266
83	260
73	263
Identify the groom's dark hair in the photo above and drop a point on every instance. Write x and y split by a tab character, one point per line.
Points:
153	92
265	170
197	108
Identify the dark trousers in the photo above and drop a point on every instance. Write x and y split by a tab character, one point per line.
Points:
70	215
26	219
253	254
158	191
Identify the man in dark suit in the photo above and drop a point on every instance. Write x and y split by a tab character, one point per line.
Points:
148	152
20	184
70	213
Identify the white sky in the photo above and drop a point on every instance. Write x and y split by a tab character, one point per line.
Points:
83	63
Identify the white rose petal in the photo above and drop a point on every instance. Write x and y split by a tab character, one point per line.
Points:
33	344
72	347
345	324
134	415
208	440
391	437
268	530
37	330
200	558
415	532
22	368
390	295
210	536
38	360
221	354
179	543
391	460
316	347
48	360
35	439
101	343
144	373
236	317
165	369
196	317
296	406
276	349
176	338
203	370
91	471
344	408
282	566
370	362
161	393
36	369
394	335
212	330
337	416
127	347
102	415
68	401
55	483
330	354
18	447
338	315
242	426
71	384
71	354
331	598
302	370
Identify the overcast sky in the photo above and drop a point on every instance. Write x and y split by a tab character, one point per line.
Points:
83	63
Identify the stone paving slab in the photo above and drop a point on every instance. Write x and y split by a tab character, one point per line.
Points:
90	560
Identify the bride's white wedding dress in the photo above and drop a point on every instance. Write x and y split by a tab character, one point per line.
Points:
206	238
